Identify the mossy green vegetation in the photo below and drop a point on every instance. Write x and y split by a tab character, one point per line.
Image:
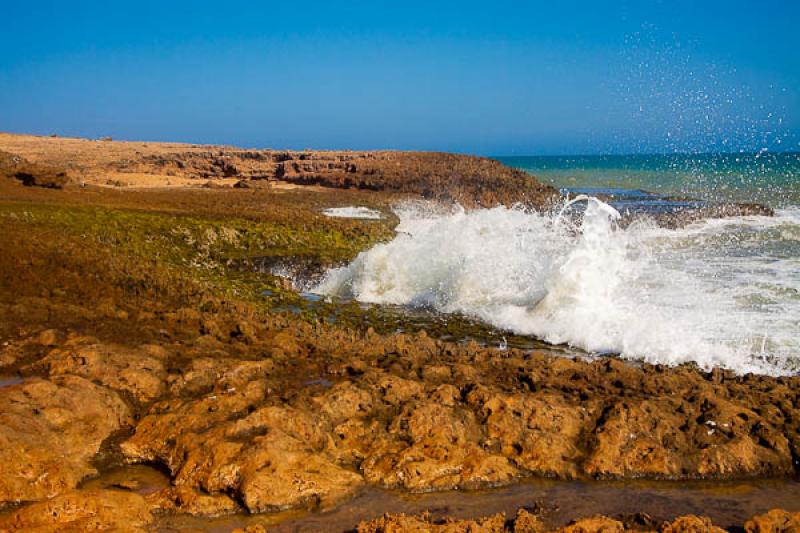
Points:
216	251
226	255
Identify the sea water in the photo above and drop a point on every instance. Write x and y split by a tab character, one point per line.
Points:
770	178
722	292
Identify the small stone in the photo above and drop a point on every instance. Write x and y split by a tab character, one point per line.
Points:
48	337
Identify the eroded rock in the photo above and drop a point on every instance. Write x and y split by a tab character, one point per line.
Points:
83	510
49	432
525	522
529	428
271	456
444	452
32	174
134	371
775	521
185	500
597	524
427	523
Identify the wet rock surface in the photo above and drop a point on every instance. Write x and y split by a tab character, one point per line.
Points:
49	433
777	521
190	501
376	420
271	456
99	510
319	414
138	373
686	216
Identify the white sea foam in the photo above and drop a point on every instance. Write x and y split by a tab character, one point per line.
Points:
719	293
352	212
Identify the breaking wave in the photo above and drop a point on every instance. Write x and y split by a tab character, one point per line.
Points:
720	293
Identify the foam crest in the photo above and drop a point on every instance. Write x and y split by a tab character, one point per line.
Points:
719	293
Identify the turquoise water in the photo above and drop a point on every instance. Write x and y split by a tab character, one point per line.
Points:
769	178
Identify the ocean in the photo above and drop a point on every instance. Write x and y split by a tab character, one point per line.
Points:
717	293
768	178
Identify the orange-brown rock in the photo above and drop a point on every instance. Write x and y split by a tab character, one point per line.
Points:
525	522
775	521
469	180
645	439
528	428
31	174
99	510
272	457
48	337
691	524
396	430
134	371
186	500
427	524
256	528
432	446
597	524
49	433
205	373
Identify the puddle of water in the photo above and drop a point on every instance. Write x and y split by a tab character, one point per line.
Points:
325	383
7	381
293	268
728	504
141	479
295	310
310	297
356	212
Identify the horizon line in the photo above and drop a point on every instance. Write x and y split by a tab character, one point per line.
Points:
460	152
650	154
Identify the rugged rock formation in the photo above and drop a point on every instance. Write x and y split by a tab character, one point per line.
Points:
776	521
31	174
509	417
102	510
273	457
468	180
190	501
49	433
685	216
138	373
402	523
243	405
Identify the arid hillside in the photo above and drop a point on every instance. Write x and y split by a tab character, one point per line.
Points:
469	180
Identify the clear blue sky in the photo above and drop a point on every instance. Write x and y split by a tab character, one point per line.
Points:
489	77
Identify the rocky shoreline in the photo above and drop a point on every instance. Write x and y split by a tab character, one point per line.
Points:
526	522
133	332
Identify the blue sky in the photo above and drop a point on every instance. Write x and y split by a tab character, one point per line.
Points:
483	77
